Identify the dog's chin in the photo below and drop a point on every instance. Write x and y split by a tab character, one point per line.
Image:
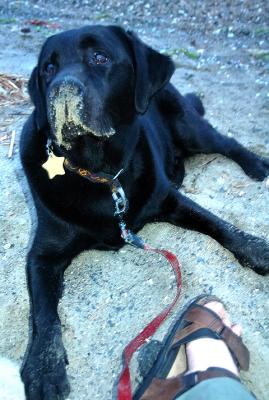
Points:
86	151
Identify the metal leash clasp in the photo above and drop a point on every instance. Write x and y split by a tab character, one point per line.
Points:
129	237
120	200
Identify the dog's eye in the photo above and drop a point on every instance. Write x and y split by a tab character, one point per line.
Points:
50	70
98	58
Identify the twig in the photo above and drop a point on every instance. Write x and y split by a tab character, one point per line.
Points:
258	52
179	64
209	161
12	142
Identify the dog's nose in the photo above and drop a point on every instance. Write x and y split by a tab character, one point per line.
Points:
67	87
65	98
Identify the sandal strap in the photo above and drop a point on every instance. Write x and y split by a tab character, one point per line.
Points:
203	322
169	389
237	347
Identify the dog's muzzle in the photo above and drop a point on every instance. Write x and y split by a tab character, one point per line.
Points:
66	113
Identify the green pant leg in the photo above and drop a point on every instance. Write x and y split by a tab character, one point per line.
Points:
218	389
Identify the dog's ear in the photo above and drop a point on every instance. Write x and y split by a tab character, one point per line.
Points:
153	70
35	92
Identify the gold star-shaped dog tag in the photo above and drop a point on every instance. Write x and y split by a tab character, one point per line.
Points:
54	165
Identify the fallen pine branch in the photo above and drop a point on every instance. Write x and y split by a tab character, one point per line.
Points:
12	89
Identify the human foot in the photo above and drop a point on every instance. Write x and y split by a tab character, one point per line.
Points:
213	347
206	352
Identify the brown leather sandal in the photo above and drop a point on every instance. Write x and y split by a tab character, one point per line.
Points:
194	323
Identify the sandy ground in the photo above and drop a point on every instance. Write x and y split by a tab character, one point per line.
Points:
110	296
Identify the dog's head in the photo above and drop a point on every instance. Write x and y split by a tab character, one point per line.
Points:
91	80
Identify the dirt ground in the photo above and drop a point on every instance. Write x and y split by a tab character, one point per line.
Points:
222	53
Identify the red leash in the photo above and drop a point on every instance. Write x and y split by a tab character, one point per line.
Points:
124	384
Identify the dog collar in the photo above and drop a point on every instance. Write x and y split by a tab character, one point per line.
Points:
118	194
54	166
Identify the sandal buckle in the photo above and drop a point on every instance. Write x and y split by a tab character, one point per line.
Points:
190	380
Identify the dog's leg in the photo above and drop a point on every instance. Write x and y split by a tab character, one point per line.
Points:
249	250
196	135
43	371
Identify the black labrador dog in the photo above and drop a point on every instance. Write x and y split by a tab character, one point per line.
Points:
103	101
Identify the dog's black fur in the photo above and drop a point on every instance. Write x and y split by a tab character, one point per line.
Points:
117	82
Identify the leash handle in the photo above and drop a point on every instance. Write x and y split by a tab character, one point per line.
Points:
124	383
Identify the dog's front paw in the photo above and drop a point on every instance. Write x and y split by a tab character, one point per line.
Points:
259	169
254	253
44	373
